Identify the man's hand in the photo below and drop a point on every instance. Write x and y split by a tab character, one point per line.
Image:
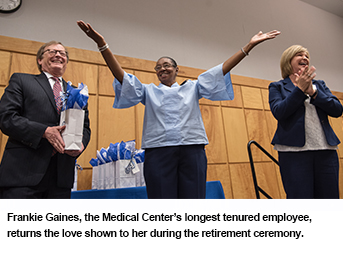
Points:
74	153
53	135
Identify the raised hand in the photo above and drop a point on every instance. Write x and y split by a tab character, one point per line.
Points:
260	37
107	54
255	40
90	32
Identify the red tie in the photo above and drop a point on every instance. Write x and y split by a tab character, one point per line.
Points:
57	91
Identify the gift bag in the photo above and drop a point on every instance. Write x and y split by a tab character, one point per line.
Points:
140	181
72	135
117	166
95	177
139	156
72	115
109	174
126	173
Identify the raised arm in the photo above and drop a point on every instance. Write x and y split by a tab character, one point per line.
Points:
230	63
108	56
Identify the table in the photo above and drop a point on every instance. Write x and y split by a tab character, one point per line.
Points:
214	190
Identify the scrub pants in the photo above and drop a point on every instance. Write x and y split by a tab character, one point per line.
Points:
176	172
310	174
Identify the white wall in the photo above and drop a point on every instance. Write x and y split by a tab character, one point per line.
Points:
197	33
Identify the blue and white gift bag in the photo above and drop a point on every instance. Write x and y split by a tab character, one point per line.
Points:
118	166
139	158
72	115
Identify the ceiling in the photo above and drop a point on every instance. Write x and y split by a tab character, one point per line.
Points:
332	6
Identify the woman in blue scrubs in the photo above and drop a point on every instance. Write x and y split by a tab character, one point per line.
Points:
174	136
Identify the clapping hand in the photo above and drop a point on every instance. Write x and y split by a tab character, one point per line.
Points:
304	78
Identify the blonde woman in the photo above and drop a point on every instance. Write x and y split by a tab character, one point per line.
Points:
304	139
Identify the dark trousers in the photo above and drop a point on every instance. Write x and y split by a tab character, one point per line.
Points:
310	174
46	189
176	172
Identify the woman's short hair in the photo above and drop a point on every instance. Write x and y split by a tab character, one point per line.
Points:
40	52
171	59
287	56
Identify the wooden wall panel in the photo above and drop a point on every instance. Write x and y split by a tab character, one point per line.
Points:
267	179
242	182
84	179
115	125
237	101
235	134
337	125
258	131
204	101
265	98
252	97
5	58
105	81
213	122
221	172
147	77
77	72
24	63
229	124
251	82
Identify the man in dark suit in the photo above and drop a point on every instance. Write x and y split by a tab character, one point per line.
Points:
34	163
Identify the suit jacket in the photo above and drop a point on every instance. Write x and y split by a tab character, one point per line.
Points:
27	108
287	105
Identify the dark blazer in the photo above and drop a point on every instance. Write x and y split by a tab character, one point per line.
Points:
27	108
287	105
